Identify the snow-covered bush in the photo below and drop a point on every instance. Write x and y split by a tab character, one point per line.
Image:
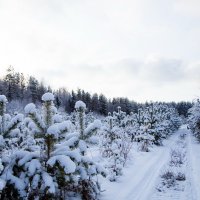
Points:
10	128
194	119
177	157
116	143
158	120
52	160
145	138
7	124
87	170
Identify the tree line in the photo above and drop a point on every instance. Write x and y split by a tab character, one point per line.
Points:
16	87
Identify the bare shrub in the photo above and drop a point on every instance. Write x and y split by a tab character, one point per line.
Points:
168	178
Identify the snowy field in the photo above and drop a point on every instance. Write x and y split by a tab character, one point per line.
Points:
142	180
138	156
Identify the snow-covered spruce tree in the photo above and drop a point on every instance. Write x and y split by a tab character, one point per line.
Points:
168	120
108	137
9	126
139	117
131	126
144	137
142	128
43	173
128	131
151	123
89	118
86	183
194	119
116	142
10	139
160	121
112	150
118	117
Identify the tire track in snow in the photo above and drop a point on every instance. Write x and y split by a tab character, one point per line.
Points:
145	184
190	185
144	189
142	179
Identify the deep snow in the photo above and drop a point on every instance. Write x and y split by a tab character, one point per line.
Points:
142	175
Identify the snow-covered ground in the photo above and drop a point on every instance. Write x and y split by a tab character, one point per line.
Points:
194	167
142	175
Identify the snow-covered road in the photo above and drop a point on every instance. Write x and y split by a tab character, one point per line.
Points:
193	168
140	178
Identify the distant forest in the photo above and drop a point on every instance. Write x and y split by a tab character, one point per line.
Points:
20	91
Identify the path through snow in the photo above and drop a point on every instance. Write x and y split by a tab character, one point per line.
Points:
140	179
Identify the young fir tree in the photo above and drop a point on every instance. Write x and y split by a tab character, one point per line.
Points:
158	122
87	170
9	126
194	119
31	173
116	143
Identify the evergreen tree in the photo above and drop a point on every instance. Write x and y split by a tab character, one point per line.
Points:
10	81
103	105
95	103
88	100
79	95
22	86
33	88
41	90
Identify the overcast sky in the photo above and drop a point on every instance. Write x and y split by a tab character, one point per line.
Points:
141	49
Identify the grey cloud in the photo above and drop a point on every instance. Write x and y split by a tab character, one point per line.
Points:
156	70
163	70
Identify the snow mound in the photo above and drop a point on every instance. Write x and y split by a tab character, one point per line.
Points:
2	184
34	165
30	108
64	125
53	130
68	165
93	126
3	99
80	104
57	118
47	97
48	182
